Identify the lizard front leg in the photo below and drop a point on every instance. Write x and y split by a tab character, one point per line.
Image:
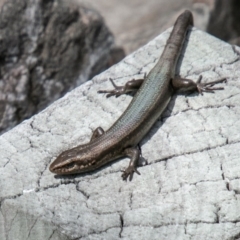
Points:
97	133
134	154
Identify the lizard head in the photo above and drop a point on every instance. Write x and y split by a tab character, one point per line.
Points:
76	161
72	161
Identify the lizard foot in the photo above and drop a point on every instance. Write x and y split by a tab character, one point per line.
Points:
117	91
130	86
129	173
207	87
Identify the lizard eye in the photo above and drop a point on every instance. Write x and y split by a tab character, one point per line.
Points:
66	169
71	166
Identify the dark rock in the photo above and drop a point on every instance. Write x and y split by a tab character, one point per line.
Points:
224	20
46	49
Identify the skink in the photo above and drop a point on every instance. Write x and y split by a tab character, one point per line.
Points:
154	94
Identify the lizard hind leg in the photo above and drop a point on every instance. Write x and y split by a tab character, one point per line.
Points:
185	84
207	87
130	86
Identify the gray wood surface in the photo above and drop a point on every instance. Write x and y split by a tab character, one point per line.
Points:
189	190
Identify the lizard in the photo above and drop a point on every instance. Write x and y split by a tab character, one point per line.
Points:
152	97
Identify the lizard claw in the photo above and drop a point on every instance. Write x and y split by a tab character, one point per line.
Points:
129	173
117	91
207	87
130	86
